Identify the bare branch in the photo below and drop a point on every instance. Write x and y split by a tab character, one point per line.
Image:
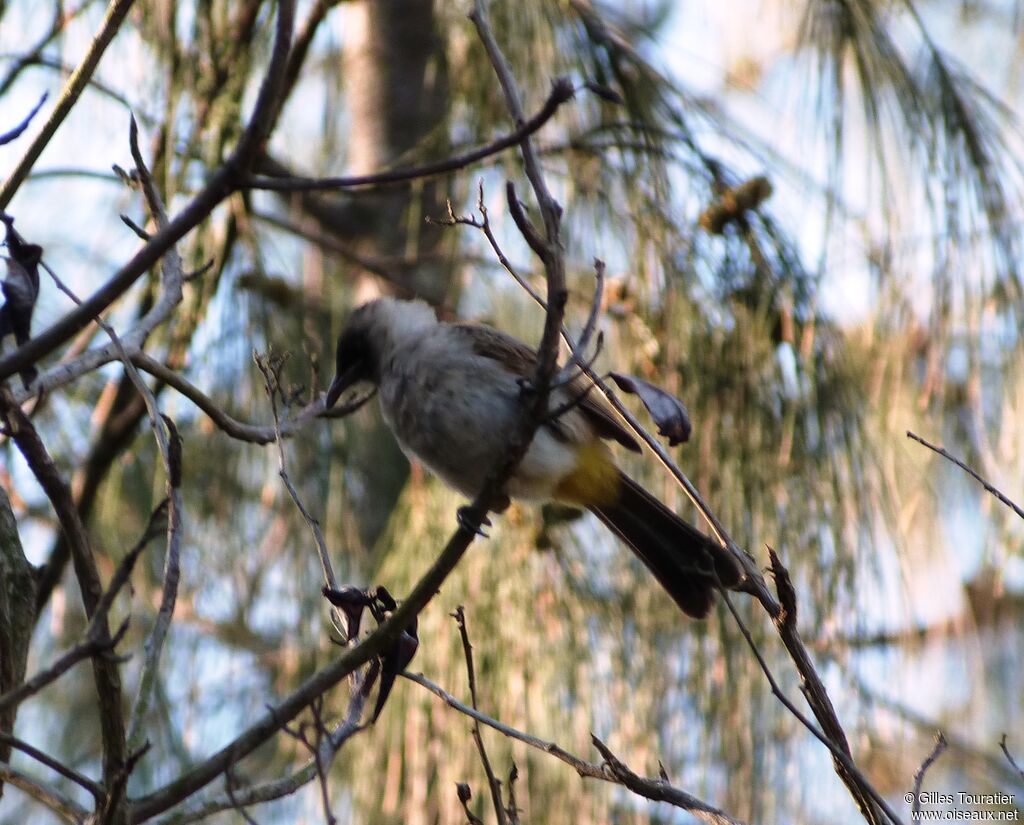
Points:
254	433
465	794
560	93
845	767
320	735
993	490
270	367
53	799
550	210
330	243
1006	751
169	444
91	646
662	790
936	752
659	790
577	355
14	133
97	791
495	785
372	647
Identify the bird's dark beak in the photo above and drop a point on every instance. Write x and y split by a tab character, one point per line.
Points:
342	381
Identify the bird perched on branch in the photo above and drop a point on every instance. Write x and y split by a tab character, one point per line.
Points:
452	394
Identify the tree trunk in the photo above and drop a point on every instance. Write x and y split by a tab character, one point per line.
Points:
17	614
396	86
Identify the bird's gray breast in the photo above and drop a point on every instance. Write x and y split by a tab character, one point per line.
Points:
452	410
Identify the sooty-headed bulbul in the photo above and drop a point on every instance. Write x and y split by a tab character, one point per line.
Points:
451	394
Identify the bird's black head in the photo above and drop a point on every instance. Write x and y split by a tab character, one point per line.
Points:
356	358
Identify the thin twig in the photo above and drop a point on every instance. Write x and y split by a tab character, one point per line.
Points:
67	69
83	781
320	734
583	344
578	360
253	433
838	753
495	785
651	789
13	134
990	488
660	790
327	677
229	790
124	569
167	444
330	243
551	212
940	746
270	366
90	647
53	799
1006	751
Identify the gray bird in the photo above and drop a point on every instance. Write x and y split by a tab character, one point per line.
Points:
451	394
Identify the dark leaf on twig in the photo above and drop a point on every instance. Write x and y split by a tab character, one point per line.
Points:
512	809
784	587
394	662
174	451
604	92
385	599
465	795
668	412
352	602
14	133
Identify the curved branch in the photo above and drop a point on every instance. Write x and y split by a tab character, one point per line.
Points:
561	92
240	430
53	799
54	765
950	457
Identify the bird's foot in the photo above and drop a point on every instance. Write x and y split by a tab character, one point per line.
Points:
466	522
526	388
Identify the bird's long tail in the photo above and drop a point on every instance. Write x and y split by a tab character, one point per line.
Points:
679	555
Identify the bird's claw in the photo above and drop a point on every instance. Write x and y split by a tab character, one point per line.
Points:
526	388
466	522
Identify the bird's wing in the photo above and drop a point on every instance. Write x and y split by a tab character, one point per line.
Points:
521	361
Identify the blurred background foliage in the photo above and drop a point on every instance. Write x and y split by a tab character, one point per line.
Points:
876	290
